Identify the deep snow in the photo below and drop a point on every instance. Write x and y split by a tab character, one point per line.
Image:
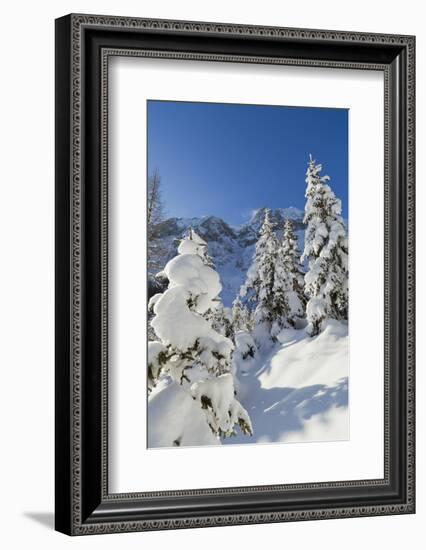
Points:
174	418
297	391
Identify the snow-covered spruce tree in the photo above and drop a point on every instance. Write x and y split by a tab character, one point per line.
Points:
192	243
288	299
241	316
221	320
189	350
217	314
259	285
245	346
326	252
245	354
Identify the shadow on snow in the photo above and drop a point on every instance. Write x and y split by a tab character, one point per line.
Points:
276	412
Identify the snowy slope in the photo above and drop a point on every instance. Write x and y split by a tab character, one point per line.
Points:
296	392
299	390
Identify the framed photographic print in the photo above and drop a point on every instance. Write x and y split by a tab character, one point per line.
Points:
234	274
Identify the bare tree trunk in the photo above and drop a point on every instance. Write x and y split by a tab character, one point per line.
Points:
155	215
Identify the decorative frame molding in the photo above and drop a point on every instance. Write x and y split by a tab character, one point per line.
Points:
84	43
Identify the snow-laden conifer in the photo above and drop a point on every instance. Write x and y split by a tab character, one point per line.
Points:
223	411
220	319
188	349
258	288
241	316
326	252
288	299
217	315
192	243
245	354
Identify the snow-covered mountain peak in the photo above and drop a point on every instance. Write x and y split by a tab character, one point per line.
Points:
231	248
292	213
278	215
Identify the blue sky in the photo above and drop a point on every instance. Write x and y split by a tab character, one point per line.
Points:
229	159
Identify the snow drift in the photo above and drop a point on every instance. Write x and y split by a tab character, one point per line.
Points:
300	390
297	392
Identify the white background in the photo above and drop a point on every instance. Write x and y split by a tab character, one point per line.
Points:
132	81
26	305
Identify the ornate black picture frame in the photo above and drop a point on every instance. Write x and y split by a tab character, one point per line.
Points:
84	44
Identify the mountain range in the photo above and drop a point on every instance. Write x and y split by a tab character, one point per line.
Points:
231	248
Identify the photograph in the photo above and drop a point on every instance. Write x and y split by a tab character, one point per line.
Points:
234	274
247	274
